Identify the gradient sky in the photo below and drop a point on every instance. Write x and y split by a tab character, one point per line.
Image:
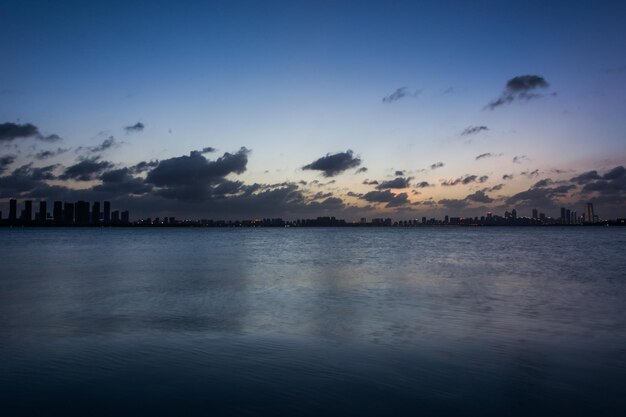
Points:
294	81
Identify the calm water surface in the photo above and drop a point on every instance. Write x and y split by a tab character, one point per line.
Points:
486	321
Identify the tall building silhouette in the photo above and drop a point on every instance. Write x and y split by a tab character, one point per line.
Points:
115	217
43	211
57	212
95	213
68	213
28	211
125	217
107	212
590	213
81	216
12	210
535	214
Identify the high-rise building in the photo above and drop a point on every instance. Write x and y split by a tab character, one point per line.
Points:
82	213
562	219
43	212
28	211
68	213
115	217
590	213
514	214
125	217
95	213
535	214
57	212
568	216
107	212
12	210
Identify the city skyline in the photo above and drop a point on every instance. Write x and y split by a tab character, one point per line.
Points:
229	116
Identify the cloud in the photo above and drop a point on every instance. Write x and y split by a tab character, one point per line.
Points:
194	178
479	197
398	200
530	174
5	162
137	127
46	154
452	203
519	159
487	155
611	183
399	94
106	144
399	173
540	196
473	130
378	196
437	165
86	170
399	182
467	179
334	164
368	182
423	184
507	177
361	170
522	87
121	181
11	131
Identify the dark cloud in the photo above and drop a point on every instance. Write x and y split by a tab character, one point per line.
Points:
11	131
452	203
398	200
467	179
520	158
487	155
46	154
473	130
334	164
611	183
399	94
540	196
399	182
586	177
378	196
137	127
86	170
530	174
143	166
399	173
437	165
106	144
496	187
6	161
423	184
479	197
507	177
370	182
194	178
546	182
522	87
361	170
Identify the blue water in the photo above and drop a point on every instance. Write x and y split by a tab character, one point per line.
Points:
311	322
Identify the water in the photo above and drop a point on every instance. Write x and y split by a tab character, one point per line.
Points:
484	321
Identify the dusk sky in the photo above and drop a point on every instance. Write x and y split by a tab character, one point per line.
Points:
310	108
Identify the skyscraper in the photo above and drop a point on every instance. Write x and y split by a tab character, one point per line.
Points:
43	211
562	219
57	212
590	213
68	213
95	213
107	212
82	213
12	210
125	217
28	211
535	214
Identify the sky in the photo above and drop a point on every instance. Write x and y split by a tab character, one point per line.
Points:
244	109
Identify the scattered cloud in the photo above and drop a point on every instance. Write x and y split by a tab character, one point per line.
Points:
51	153
399	182
361	170
473	130
11	131
467	179
522	87
488	155
399	94
137	127
334	164
436	165
520	158
507	177
86	170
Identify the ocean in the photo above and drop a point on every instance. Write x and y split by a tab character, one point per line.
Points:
312	322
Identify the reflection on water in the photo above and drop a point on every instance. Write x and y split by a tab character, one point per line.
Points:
308	321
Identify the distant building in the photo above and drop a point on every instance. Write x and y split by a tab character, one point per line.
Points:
68	213
81	216
107	212
535	214
590	214
95	213
12	210
115	217
125	217
563	215
514	214
28	211
57	212
43	211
